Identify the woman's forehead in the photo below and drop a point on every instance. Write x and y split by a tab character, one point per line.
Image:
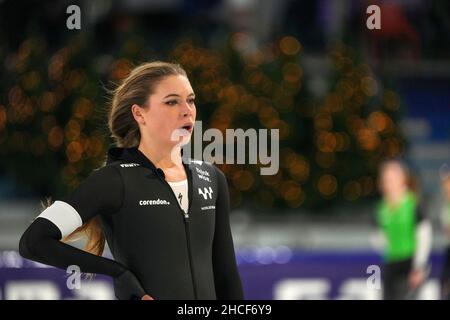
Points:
176	84
393	166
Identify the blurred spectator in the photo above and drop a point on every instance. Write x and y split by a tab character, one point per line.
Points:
406	230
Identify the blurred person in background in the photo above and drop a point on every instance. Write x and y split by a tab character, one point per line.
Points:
445	218
165	219
406	230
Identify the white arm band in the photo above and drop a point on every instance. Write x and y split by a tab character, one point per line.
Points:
423	247
64	216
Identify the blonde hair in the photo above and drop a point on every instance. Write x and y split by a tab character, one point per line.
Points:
134	89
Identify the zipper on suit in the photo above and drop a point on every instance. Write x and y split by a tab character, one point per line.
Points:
188	237
186	222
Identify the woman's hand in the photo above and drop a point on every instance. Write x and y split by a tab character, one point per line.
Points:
147	297
416	277
127	287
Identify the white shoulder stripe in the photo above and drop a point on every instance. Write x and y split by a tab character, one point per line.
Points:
64	216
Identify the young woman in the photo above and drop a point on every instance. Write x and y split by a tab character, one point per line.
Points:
165	218
406	230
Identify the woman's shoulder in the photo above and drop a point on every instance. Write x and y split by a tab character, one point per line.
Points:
102	189
108	173
114	168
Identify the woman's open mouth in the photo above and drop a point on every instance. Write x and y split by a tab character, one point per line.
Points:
189	127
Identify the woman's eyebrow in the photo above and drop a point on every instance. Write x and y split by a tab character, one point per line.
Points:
177	95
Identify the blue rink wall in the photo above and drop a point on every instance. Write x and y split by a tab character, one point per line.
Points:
267	273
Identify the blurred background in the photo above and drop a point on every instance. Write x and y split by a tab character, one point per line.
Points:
343	97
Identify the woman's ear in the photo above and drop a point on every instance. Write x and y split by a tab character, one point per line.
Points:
138	115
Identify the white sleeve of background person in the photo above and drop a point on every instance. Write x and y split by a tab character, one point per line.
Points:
64	216
378	240
445	217
423	246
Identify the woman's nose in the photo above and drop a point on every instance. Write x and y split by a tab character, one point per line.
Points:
187	109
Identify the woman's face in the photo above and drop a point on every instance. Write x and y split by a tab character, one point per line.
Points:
446	188
393	179
170	114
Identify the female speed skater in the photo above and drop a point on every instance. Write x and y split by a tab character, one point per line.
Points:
165	218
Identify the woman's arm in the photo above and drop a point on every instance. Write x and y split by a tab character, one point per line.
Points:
424	239
423	234
226	276
41	243
100	193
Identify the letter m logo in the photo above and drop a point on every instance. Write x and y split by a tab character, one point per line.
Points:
206	192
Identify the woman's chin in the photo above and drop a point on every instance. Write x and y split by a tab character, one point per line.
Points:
181	141
185	140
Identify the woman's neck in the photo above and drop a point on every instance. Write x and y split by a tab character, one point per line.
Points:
161	157
395	198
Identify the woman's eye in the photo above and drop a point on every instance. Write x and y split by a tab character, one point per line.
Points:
175	102
172	102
